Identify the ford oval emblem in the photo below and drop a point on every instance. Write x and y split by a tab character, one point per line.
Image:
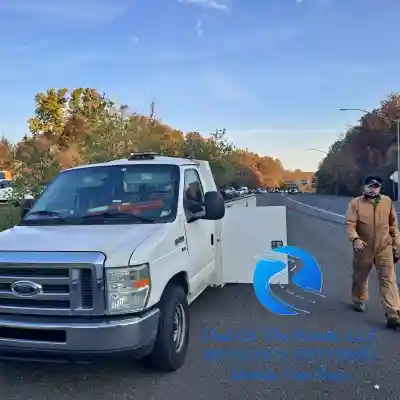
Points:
26	288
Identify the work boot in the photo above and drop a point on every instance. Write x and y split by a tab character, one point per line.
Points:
393	321
360	306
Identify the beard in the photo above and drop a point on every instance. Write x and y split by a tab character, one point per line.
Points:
371	195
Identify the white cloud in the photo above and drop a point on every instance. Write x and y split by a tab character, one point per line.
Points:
25	48
72	10
223	85
357	69
221	5
216	5
134	40
199	28
261	40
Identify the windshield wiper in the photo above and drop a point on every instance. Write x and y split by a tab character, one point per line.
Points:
107	214
46	213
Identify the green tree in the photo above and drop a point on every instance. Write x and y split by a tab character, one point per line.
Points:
72	127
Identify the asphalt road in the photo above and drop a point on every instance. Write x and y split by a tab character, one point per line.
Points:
274	368
331	203
334	204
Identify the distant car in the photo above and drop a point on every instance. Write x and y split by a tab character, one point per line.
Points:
243	190
230	193
6	190
293	191
6	193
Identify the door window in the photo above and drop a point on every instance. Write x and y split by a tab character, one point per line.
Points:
193	193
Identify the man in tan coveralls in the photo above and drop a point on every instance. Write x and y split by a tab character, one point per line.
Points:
372	228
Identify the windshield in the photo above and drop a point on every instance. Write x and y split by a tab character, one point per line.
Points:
143	193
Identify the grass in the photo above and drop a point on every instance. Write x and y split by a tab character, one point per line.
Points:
9	216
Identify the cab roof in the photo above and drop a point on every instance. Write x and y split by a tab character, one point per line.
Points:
156	160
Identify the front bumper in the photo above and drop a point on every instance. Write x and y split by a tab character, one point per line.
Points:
77	339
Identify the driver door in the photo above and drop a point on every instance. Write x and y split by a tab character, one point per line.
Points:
200	234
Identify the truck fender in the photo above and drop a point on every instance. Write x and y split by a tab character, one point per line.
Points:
180	279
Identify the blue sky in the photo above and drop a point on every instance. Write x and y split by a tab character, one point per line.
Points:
273	72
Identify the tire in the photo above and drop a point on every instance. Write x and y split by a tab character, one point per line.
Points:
168	354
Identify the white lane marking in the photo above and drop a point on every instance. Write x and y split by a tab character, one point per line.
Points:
315	208
320	209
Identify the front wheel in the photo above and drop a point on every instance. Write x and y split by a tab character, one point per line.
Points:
172	340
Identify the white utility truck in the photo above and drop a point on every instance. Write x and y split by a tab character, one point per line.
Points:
109	257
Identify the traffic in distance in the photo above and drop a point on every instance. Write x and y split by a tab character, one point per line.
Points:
231	193
7	191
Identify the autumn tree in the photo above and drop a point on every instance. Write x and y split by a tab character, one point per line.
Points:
7	150
70	128
369	147
35	165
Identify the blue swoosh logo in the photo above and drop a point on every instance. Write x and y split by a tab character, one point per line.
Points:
308	278
264	272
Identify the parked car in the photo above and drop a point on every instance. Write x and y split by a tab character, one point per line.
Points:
6	190
7	193
231	193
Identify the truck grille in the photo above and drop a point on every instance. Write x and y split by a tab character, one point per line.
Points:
61	289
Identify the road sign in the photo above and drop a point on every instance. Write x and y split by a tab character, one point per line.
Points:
395	177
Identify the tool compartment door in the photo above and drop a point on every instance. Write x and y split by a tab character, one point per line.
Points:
248	235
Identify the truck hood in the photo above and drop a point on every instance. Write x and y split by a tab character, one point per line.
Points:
102	238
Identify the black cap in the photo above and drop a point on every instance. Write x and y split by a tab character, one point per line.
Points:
373	179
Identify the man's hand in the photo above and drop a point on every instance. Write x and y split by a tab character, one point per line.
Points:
359	245
396	256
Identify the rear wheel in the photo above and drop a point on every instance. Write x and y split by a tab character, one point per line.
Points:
172	340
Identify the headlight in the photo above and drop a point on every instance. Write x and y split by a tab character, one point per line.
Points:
128	289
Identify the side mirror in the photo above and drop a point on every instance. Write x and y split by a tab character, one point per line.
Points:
26	206
214	206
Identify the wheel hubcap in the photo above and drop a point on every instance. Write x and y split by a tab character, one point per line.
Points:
179	327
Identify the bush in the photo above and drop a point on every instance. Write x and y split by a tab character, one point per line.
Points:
9	216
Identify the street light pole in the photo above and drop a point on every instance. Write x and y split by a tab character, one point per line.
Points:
336	172
397	122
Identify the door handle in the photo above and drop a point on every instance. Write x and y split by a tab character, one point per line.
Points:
212	239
